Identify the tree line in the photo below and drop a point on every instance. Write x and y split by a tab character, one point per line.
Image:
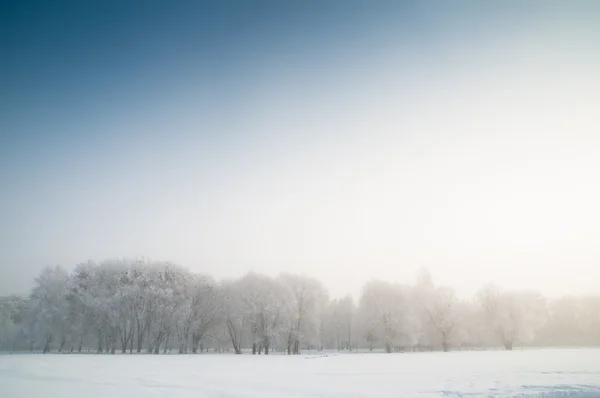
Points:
147	306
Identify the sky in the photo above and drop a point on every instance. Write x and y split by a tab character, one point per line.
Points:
347	140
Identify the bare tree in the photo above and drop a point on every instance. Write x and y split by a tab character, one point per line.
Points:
303	295
234	314
385	305
512	315
264	301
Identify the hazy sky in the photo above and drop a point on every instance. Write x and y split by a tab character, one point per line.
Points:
342	139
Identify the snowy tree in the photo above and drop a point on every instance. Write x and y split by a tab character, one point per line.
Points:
235	317
164	294
512	315
264	301
341	322
105	301
565	324
124	304
590	318
303	296
440	309
385	306
12	318
207	306
184	315
49	307
80	301
141	274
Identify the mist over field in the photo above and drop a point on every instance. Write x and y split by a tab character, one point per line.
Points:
299	198
157	307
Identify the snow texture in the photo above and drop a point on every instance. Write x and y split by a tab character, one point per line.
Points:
520	373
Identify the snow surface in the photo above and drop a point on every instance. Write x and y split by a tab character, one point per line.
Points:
520	373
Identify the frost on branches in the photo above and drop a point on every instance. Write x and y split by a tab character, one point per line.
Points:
141	306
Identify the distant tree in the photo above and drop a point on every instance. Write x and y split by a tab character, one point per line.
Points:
341	322
385	306
264	301
512	315
590	318
128	304
49	306
302	295
235	317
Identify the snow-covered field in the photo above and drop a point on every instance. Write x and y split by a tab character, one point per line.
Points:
526	373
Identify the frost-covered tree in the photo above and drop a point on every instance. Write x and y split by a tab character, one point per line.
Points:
512	315
302	297
264	301
235	317
13	311
49	307
207	309
385	306
131	304
590	318
571	321
442	310
437	312
565	324
165	294
341	323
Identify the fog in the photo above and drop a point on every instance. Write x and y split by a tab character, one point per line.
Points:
152	307
465	142
198	196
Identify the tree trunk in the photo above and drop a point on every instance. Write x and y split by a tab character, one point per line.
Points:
140	337
350	336
253	348
266	349
47	344
508	345
107	343
445	346
182	344
195	342
388	347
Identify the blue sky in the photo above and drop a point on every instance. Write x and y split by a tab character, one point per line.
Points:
348	138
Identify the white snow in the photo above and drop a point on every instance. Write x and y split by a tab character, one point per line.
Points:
520	373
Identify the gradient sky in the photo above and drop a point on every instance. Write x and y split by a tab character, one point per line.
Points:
342	139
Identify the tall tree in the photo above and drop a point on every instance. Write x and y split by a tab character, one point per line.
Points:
512	315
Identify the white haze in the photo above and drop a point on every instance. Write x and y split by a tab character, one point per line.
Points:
482	168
